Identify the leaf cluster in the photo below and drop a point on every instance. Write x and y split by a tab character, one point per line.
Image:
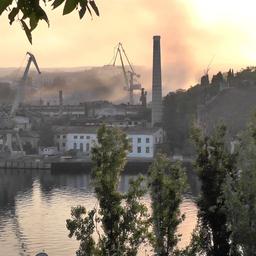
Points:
30	12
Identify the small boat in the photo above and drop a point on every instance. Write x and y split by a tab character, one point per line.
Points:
42	254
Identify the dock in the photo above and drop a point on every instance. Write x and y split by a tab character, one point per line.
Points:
134	165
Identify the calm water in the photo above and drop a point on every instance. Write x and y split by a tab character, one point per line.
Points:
35	204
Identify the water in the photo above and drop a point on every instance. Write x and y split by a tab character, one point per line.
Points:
34	206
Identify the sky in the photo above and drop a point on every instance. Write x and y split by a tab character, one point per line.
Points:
193	34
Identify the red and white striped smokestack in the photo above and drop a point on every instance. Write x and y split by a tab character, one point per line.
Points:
156	82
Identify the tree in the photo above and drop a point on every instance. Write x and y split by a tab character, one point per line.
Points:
31	11
167	184
123	218
46	135
213	163
240	194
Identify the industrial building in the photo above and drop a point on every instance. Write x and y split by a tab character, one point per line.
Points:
21	128
144	141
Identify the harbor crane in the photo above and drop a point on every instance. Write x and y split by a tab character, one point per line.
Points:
21	85
9	136
130	76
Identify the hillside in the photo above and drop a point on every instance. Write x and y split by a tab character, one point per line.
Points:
234	107
229	98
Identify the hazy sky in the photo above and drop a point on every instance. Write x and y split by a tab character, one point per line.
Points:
192	31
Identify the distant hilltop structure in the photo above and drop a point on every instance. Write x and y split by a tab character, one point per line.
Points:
157	107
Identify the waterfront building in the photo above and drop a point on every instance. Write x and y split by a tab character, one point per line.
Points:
144	141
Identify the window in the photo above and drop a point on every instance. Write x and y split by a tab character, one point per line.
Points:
63	144
147	150
139	149
139	140
74	146
147	140
81	147
64	136
81	137
87	147
75	137
88	137
58	136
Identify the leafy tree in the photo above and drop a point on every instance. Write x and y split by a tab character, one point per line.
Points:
123	218
46	135
30	12
217	79
240	194
167	184
27	147
213	163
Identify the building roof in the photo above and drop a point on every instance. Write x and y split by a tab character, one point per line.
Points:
93	130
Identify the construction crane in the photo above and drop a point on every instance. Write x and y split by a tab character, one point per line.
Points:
21	85
130	75
8	134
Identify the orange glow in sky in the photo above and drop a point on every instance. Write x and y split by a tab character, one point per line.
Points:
192	33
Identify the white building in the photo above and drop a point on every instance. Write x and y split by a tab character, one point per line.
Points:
22	123
144	141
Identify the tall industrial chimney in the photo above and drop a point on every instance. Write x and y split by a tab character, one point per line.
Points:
156	83
60	102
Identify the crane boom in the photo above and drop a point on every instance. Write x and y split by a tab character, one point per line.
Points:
21	84
130	85
123	67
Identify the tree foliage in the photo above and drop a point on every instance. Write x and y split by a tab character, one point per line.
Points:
240	194
46	134
213	163
167	185
30	12
122	218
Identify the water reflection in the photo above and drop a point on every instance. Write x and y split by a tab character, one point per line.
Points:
35	204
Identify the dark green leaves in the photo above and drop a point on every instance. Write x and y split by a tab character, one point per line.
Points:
12	15
4	4
57	3
41	15
33	21
27	30
83	5
31	11
70	5
95	8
